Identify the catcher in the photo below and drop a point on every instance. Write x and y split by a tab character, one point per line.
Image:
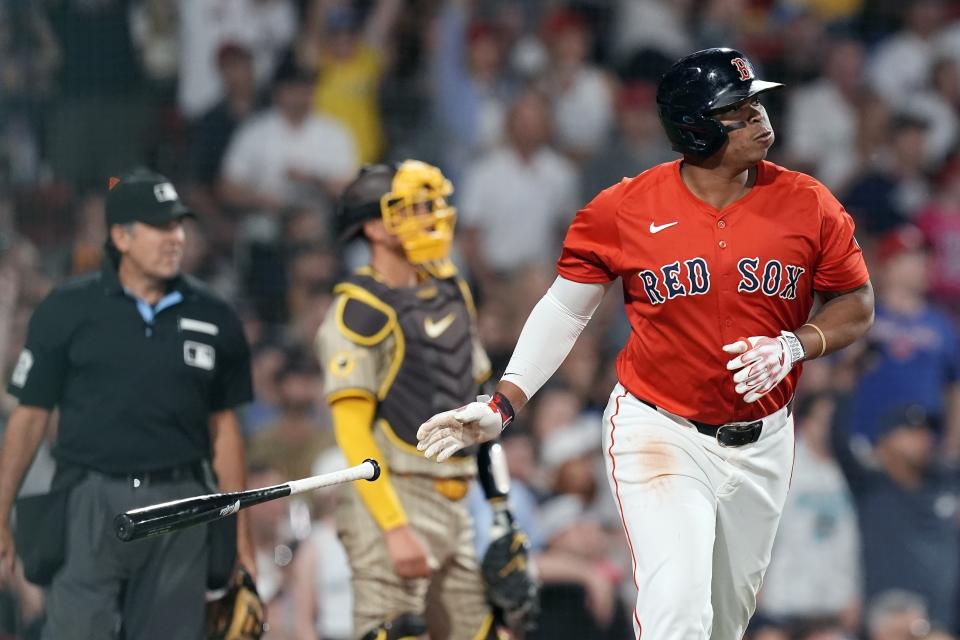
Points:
399	344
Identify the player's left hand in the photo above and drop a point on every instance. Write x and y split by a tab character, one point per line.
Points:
762	362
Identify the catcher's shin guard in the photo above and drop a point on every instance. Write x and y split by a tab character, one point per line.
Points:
407	626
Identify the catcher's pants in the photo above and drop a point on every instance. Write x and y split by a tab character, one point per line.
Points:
452	600
700	518
156	586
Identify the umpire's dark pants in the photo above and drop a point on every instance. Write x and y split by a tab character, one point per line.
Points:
143	590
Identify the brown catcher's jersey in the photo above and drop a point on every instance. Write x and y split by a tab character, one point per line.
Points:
414	350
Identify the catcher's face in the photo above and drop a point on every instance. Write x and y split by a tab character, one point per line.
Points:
417	214
748	144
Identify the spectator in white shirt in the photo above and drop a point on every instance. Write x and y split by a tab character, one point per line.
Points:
517	199
902	63
288	155
582	94
827	146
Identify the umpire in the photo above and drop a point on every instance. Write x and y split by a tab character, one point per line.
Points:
146	367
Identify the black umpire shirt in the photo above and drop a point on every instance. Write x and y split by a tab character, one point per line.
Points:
135	384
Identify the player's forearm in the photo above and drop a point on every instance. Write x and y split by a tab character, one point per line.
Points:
843	319
352	420
24	433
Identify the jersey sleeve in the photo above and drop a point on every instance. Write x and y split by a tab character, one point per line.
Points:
591	248
355	348
234	385
41	369
840	266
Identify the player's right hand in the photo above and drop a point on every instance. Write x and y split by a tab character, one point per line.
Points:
446	433
408	553
8	554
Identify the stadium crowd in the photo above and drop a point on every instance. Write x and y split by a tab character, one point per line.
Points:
262	110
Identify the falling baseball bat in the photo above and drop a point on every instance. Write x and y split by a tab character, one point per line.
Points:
178	514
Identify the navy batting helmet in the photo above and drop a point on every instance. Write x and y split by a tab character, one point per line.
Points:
699	86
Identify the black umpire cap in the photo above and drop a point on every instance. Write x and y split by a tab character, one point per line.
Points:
143	196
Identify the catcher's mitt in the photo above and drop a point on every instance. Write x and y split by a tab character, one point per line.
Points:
239	614
511	586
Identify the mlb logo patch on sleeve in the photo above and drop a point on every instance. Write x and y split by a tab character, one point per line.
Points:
22	370
199	355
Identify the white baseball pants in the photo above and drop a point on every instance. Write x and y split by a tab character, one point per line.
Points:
700	518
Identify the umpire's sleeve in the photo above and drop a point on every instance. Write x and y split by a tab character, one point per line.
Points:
234	385
37	379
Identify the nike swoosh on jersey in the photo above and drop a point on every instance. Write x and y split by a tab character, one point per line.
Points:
655	228
436	329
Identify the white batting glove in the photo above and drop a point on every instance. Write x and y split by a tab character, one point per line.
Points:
762	362
446	433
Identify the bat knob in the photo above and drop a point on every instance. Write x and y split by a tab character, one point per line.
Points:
124	526
376	469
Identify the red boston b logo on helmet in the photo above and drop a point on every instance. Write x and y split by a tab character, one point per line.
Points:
743	68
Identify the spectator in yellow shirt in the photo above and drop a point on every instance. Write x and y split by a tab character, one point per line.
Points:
350	56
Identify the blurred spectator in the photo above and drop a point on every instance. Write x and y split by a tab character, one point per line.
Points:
897	615
89	234
212	131
272	528
265	27
98	121
570	459
652	24
907	505
579	596
821	630
155	29
323	562
350	55
719	23
913	353
818	536
940	223
765	628
516	200
581	93
826	146
553	408
292	444
636	145
938	107
900	67
895	186
287	155
469	89
29	55
267	361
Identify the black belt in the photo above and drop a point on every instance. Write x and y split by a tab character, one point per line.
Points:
734	434
189	471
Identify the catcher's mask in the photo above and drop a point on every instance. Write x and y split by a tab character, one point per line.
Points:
411	199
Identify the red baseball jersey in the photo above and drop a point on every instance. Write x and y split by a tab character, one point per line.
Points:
696	278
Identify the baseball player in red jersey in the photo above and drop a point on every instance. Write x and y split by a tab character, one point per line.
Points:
721	255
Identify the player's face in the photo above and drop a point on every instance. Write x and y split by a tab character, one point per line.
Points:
154	251
750	143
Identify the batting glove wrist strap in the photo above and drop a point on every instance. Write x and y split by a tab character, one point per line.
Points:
793	347
501	404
